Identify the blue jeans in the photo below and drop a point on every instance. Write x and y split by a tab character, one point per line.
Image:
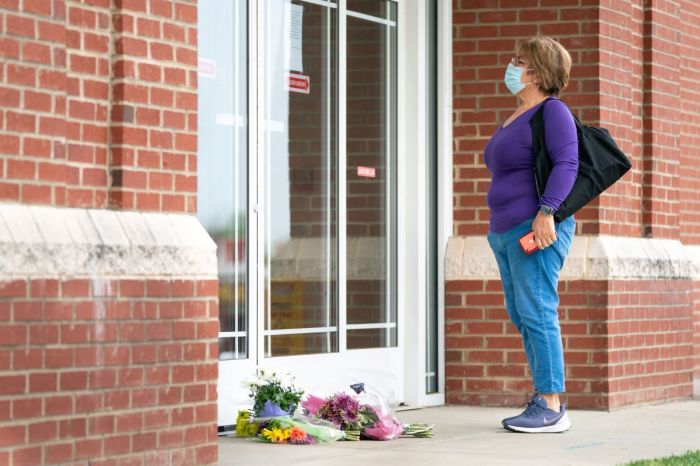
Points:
530	288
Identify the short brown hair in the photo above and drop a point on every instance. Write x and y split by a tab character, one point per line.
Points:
550	60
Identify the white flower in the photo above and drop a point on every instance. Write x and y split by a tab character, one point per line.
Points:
286	379
266	375
251	381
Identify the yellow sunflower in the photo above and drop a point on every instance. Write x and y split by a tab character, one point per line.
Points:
276	435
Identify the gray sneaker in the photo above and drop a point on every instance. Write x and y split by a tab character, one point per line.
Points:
527	404
538	418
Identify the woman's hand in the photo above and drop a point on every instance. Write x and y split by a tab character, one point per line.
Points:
545	234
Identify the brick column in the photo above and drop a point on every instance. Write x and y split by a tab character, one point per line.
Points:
108	319
154	116
661	58
87	100
108	337
689	142
33	166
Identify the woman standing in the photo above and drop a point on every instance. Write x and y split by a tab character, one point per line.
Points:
537	74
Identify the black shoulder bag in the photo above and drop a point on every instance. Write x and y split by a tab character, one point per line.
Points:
600	164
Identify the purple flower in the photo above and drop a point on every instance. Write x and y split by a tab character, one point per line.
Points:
341	409
309	440
272	409
263	425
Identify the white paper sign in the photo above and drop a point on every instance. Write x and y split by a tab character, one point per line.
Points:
293	22
206	68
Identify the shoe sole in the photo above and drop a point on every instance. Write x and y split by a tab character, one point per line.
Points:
562	426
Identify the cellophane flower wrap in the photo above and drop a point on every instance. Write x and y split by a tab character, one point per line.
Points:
297	430
363	410
273	418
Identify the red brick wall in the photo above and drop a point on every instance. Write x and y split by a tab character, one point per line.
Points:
98	103
689	122
33	93
625	342
155	106
660	209
108	371
621	100
690	143
650	340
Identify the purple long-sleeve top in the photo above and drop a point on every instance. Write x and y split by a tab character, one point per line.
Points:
512	196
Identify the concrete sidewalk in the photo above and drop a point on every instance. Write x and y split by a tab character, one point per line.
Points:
472	436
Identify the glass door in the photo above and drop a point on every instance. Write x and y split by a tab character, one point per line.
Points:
299	151
370	194
224	170
298	187
327	142
327	192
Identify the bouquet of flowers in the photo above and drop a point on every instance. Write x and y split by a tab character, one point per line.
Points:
272	392
275	433
370	420
272	419
297	430
344	412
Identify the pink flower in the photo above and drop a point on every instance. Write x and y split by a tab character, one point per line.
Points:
312	404
386	428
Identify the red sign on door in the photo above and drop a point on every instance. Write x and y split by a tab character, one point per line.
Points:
367	172
298	83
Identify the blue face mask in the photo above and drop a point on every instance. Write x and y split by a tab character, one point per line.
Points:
513	79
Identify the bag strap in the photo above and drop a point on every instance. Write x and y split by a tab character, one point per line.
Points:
551	97
542	164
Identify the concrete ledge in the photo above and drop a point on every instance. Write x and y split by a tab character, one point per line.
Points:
591	257
49	241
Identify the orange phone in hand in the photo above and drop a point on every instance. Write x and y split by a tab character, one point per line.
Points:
527	243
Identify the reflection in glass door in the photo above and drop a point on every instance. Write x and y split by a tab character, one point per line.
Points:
224	167
325	293
371	175
222	161
298	110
